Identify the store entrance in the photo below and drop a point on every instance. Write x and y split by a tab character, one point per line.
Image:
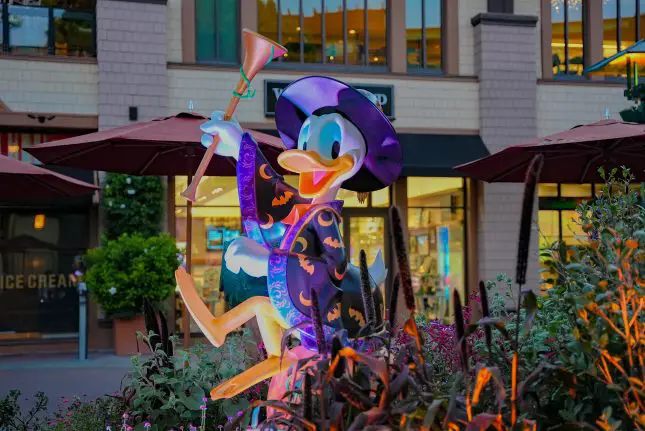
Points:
367	229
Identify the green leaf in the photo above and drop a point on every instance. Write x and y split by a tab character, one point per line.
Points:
575	267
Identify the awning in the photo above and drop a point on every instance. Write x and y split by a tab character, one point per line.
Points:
430	155
426	155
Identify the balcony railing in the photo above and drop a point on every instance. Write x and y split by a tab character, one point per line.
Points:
40	30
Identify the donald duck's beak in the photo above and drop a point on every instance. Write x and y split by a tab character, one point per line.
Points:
317	175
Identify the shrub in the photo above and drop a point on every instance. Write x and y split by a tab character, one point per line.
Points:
600	287
171	390
132	205
12	418
83	415
125	271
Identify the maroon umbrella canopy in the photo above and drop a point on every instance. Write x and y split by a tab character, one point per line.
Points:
23	180
165	146
572	156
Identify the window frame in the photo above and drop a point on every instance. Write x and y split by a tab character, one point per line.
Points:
324	66
585	41
618	26
423	69
6	47
237	31
465	207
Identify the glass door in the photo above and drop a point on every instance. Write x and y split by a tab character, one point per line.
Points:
366	233
369	231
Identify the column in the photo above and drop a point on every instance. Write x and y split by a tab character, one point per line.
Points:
505	62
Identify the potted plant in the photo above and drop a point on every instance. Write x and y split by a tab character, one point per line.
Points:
126	271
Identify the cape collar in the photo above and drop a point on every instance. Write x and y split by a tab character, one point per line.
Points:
299	210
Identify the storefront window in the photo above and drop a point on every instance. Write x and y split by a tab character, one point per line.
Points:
13	144
567	37
423	33
38	297
557	216
436	238
216	26
313	31
64	28
620	28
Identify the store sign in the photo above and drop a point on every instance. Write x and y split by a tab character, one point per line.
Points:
273	90
36	281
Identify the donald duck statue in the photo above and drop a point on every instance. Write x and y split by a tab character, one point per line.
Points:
335	137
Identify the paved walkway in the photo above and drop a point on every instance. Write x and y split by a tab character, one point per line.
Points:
62	376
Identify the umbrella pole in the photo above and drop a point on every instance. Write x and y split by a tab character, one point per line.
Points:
185	316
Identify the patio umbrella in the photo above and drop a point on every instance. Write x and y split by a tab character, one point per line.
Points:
20	180
572	156
167	146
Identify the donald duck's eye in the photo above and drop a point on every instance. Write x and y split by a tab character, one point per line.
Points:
304	146
335	149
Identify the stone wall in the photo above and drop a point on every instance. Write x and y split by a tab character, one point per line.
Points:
132	56
49	86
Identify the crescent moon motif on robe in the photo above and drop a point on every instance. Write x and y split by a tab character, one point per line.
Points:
268	224
303	242
323	222
263	173
304	301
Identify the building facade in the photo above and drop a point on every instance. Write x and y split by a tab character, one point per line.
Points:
459	78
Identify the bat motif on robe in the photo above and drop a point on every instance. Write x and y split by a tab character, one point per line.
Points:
334	313
358	316
338	276
333	242
282	200
305	264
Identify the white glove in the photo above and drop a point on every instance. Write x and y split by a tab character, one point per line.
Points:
248	255
230	134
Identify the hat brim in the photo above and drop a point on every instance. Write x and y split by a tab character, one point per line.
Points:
302	98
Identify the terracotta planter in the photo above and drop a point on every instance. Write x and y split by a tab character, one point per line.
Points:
125	335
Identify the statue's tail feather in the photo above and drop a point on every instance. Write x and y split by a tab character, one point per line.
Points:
378	271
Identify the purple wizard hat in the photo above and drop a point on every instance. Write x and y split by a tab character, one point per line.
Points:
318	95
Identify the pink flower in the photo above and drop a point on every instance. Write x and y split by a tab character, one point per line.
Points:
125	416
147	425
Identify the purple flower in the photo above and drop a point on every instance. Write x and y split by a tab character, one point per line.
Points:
205	399
240	413
230	418
202	407
192	427
125	416
147	425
